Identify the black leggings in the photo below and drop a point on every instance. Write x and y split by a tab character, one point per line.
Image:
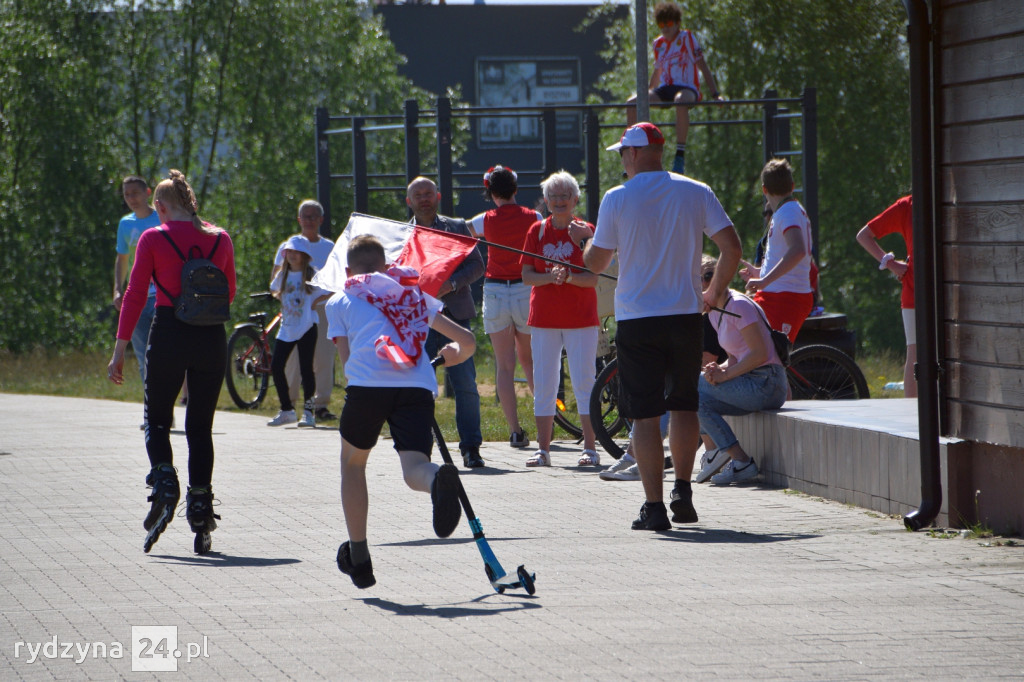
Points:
183	352
283	349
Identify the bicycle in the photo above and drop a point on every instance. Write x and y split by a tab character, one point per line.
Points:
249	355
815	372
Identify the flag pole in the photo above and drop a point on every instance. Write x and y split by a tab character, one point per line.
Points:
576	268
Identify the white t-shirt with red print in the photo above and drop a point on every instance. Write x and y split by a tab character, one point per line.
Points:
677	60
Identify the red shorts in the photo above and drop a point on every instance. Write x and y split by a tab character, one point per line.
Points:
785	310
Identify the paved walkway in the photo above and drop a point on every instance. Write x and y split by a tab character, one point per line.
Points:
768	585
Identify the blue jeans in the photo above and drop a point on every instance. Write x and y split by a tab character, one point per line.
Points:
140	337
764	388
467	399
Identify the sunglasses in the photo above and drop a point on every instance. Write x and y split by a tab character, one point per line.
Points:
666	24
708	276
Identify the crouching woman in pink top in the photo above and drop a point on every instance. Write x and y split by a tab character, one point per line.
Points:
751	379
177	352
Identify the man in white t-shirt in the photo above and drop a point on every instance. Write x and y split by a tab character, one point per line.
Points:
657	221
311	215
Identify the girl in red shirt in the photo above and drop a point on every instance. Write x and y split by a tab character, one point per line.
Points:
506	297
177	352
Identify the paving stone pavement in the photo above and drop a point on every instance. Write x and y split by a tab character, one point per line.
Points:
768	585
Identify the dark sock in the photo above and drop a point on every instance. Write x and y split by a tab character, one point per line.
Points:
681	149
359	551
682	485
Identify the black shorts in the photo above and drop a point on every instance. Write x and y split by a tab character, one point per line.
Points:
409	413
659	364
667	93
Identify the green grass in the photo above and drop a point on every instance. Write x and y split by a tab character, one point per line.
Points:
880	369
83	374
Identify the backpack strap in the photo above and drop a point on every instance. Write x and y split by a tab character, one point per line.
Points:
173	245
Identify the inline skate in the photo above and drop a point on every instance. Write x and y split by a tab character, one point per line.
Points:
199	512
164	498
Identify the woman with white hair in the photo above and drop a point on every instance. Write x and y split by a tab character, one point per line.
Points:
563	314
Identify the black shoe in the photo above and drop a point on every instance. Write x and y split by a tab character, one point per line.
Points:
324	415
682	506
444	493
362	575
471	458
652	517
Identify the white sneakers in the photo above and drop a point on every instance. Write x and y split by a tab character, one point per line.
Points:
710	463
626	462
283	417
735	472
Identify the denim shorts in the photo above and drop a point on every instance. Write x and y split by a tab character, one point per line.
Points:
506	304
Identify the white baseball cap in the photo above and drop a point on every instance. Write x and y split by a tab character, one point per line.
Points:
299	243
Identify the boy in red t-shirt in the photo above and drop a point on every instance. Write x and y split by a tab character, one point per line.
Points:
897	219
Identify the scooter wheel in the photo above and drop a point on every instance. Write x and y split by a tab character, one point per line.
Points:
203	543
527	580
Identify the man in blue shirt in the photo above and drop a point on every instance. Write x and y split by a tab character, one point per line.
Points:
136	194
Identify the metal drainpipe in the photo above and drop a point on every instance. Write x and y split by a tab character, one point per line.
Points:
922	123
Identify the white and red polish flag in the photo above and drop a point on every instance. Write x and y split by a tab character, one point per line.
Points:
433	253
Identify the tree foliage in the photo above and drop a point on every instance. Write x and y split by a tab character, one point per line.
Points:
224	90
854	53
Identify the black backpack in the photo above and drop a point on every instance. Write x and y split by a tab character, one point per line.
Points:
205	298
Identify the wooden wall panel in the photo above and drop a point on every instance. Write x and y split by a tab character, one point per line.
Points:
987	60
986	384
984	263
995	183
982	101
974	224
986	343
980	20
987	141
999	304
986	424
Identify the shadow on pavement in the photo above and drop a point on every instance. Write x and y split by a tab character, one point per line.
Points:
717	535
217	559
445	541
446	611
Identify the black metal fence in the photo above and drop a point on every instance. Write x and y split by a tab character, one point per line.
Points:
777	113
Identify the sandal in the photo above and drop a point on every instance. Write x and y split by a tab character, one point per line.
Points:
589	458
539	459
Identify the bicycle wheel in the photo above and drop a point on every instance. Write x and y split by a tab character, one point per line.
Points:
567	414
822	372
248	371
604	409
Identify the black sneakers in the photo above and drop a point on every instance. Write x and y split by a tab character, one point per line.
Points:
324	415
682	505
362	575
471	458
444	493
652	517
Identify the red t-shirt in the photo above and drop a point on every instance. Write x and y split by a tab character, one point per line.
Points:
507	225
554	306
155	258
898	219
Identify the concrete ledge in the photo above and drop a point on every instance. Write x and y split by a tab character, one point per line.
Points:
860	452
